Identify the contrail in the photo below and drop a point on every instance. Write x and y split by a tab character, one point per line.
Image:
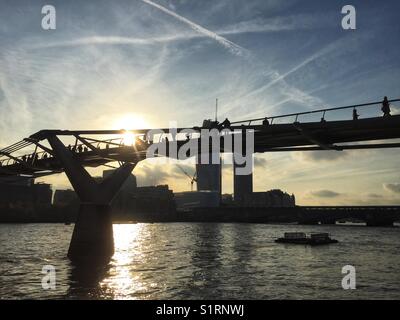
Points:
233	47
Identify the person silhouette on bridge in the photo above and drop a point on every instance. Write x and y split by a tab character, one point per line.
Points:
355	114
385	107
265	122
225	124
80	148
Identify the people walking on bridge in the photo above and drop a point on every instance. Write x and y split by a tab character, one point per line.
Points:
265	122
226	123
385	107
355	114
80	148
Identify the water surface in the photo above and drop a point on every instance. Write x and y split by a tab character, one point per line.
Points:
202	261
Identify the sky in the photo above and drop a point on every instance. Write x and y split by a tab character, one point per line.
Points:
142	64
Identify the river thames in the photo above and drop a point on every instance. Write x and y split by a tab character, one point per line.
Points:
202	261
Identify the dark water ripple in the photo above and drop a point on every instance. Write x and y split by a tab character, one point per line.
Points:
202	261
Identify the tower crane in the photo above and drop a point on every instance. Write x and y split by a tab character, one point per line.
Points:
193	178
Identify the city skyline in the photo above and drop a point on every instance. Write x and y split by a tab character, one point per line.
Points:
143	64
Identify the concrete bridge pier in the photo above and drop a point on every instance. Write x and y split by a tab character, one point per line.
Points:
92	238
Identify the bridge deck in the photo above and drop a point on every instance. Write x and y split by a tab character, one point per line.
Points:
276	137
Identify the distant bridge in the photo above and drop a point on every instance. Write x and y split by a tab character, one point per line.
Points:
309	215
371	215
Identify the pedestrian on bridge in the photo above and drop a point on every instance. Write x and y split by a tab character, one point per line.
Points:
226	124
265	122
355	114
385	107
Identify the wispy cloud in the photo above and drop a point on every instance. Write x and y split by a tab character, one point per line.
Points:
392	187
279	77
324	194
258	25
109	40
316	156
233	47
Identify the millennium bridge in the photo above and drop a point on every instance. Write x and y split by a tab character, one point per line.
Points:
47	152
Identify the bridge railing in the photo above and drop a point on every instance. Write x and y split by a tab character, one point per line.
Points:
320	111
7	158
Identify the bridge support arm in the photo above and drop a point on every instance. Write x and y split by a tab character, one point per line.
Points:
92	238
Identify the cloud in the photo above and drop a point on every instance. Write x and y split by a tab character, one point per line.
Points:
324	194
155	171
392	187
257	25
151	175
182	170
110	40
233	47
320	156
275	24
374	196
279	77
260	162
395	110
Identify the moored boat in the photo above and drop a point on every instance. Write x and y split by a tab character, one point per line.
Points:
303	238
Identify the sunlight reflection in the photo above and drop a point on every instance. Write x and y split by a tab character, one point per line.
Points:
127	241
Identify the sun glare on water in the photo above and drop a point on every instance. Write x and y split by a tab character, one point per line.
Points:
121	281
